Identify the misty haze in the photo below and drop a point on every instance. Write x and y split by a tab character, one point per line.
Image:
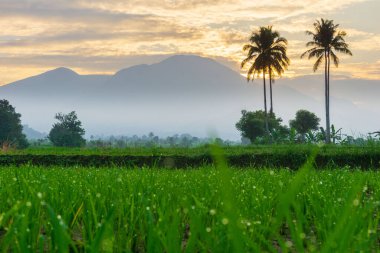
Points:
184	94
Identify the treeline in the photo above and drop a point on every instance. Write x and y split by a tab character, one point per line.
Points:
304	128
152	140
68	132
145	141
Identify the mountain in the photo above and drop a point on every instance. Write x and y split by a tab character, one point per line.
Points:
177	78
361	92
32	134
60	83
183	94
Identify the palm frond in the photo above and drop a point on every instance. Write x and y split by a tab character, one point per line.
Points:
278	68
342	33
246	47
343	50
254	70
339	44
335	59
280	40
326	38
248	59
309	51
266	51
318	63
275	34
316	53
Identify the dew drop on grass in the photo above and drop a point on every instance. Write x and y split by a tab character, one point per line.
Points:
288	244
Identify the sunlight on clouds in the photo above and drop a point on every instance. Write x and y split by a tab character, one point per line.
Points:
367	43
12	73
101	36
370	71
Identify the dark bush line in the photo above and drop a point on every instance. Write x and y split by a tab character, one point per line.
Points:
291	160
105	160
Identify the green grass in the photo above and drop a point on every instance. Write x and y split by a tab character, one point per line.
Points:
201	210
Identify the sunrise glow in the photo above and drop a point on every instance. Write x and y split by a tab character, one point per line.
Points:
105	36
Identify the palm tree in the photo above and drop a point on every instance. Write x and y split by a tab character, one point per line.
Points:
279	61
326	41
267	52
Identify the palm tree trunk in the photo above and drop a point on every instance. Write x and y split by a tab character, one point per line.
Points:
270	89
328	97
265	105
327	100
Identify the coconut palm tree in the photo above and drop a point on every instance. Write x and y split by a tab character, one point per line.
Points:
327	40
279	61
267	55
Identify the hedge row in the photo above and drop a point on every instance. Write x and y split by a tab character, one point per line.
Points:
291	160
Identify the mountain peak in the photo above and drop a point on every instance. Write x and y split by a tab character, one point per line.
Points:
62	71
186	58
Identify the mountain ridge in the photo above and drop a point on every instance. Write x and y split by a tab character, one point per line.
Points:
181	94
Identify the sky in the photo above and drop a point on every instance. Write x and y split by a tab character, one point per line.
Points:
104	36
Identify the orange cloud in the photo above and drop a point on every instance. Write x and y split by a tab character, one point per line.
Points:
101	36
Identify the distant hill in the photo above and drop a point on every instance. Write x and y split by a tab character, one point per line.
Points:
32	134
183	94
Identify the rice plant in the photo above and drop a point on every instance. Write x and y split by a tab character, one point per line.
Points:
207	209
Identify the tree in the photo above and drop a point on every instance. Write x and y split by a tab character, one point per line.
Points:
304	122
252	125
267	50
10	127
68	132
327	40
278	61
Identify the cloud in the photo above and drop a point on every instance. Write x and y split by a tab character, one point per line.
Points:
90	35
